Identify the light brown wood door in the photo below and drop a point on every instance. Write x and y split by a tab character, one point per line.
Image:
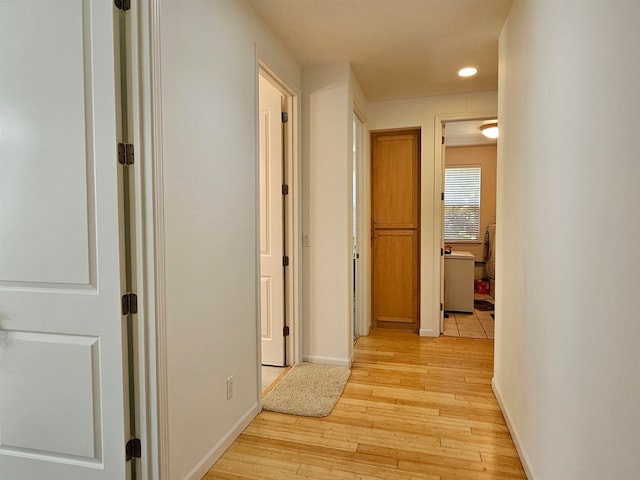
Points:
395	232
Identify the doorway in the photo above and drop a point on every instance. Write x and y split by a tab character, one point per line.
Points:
272	223
395	233
279	239
468	163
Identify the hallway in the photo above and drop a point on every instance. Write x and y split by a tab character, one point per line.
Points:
414	408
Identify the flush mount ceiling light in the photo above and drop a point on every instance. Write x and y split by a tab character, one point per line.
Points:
467	71
490	130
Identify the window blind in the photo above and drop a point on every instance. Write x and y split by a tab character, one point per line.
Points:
462	203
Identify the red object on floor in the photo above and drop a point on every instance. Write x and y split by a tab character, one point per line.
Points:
481	286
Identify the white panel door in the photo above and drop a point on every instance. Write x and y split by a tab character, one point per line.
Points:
271	225
62	404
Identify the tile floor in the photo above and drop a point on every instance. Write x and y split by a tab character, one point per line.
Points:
478	324
269	375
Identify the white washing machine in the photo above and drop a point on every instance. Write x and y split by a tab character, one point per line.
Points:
458	281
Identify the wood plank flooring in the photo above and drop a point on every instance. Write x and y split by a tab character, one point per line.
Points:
414	408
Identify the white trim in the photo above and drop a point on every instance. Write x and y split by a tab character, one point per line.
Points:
524	459
428	332
358	110
334	361
212	456
154	296
433	321
294	229
293	220
256	240
363	278
145	78
365	226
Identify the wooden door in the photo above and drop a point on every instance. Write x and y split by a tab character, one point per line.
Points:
271	225
395	210
62	392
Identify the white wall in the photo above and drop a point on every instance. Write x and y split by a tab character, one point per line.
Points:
326	217
567	324
209	86
422	112
330	93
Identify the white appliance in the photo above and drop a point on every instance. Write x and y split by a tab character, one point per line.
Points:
458	281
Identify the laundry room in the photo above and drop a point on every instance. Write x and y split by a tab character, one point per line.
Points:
469	229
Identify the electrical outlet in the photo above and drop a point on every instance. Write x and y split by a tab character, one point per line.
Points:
306	240
229	387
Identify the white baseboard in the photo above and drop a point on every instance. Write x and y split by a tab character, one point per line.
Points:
428	332
338	362
526	464
221	446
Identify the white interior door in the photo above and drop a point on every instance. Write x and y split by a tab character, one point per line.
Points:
271	225
62	402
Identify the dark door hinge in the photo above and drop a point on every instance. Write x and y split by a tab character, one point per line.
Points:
441	252
129	303
123	4
133	449
285	261
442	196
125	153
443	140
285	189
285	117
441	306
285	330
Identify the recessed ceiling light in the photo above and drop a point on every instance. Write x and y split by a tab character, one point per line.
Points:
467	71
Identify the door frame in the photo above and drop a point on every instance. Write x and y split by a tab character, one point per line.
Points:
362	321
437	314
139	325
146	123
292	220
271	215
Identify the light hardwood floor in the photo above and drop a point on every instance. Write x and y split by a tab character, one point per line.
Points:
414	408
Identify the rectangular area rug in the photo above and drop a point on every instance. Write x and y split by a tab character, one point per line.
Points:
483	305
307	390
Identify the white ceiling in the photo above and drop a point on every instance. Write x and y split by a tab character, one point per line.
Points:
397	48
466	133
